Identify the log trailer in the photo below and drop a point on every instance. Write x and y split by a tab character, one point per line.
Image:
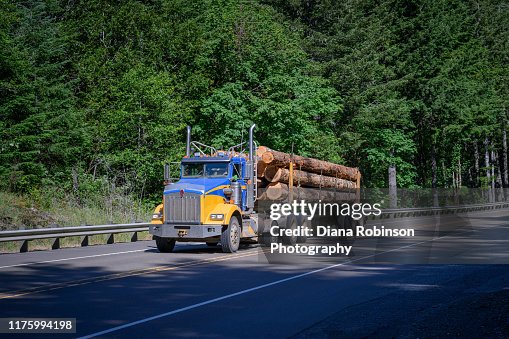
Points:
215	199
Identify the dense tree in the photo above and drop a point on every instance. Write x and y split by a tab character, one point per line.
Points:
94	91
430	72
43	132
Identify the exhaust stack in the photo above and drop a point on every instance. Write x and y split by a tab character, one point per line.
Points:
188	142
251	147
251	167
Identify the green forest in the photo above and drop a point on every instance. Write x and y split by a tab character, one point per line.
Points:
95	95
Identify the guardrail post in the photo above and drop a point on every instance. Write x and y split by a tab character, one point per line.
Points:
134	237
56	244
111	239
24	246
84	241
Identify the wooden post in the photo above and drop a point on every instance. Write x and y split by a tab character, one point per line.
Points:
290	184
393	195
358	186
504	149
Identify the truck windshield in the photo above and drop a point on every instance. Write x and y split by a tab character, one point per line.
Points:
192	170
210	170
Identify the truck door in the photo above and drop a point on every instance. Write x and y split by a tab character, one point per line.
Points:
237	171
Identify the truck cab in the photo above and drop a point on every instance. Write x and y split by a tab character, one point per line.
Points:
213	200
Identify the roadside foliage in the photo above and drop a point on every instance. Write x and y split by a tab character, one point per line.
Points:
95	95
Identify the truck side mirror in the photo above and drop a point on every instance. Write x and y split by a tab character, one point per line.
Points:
166	172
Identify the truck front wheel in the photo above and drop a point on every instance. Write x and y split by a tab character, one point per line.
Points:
291	223
165	245
230	237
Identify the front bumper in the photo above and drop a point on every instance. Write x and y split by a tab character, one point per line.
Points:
185	232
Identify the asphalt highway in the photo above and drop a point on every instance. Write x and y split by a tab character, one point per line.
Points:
132	290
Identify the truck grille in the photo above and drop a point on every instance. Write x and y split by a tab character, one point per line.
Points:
185	209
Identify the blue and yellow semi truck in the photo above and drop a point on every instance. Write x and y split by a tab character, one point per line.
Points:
213	201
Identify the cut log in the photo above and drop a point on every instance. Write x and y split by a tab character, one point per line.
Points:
260	150
279	191
272	173
276	191
280	159
301	178
260	169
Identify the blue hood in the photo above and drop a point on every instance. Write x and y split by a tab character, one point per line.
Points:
196	185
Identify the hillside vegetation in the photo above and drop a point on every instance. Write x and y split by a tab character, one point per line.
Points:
95	95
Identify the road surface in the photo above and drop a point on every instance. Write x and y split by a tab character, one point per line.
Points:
132	290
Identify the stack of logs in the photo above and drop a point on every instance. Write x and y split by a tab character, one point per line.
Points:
274	175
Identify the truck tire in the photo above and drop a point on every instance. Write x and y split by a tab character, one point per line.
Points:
347	223
230	237
267	238
302	221
165	245
291	223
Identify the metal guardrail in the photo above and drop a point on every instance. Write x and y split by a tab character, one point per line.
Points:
423	211
78	231
86	231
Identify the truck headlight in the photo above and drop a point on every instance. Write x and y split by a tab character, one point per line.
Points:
157	216
217	216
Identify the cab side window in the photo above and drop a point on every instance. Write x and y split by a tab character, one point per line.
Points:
237	170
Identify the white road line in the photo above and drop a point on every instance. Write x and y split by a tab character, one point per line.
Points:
228	296
74	258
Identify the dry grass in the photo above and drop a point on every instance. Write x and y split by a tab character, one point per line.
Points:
38	211
42	209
